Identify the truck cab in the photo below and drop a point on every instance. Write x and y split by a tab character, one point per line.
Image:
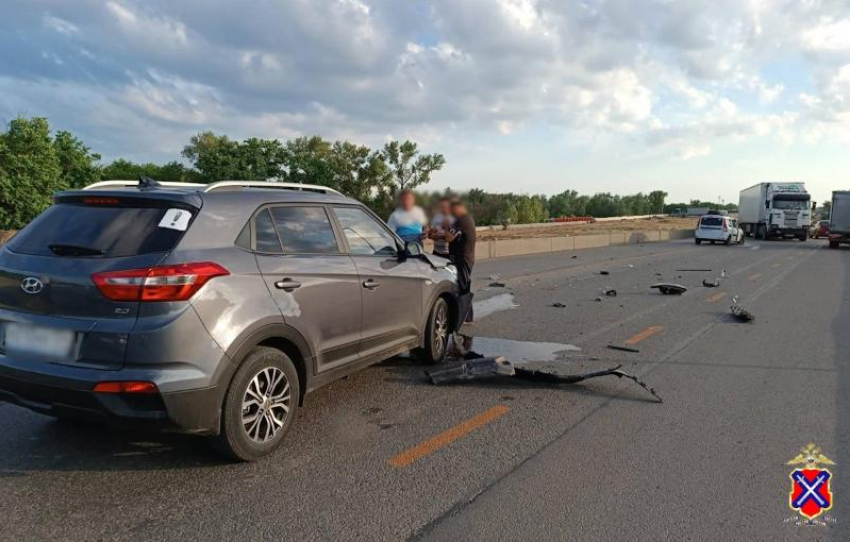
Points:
776	210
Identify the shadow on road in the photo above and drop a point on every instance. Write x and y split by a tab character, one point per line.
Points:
46	444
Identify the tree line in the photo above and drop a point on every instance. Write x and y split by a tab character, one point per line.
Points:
34	163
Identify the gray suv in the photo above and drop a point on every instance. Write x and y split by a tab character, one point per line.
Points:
209	309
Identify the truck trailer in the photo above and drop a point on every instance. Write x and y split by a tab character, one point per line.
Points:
839	219
775	210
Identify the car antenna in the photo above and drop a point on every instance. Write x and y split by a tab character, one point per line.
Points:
146	183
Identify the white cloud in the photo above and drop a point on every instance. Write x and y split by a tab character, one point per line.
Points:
676	79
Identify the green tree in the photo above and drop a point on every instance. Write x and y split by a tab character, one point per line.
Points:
357	171
308	160
409	168
215	157
656	201
30	171
79	165
171	172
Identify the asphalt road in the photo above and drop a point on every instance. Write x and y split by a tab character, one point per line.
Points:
383	455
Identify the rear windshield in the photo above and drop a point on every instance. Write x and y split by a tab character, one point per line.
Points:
74	229
711	221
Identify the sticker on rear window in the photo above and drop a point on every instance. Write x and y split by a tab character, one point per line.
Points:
176	219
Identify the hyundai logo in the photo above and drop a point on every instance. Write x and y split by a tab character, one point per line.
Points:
32	285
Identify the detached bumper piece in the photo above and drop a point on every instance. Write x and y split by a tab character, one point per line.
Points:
500	367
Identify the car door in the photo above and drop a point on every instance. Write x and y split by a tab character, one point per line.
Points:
392	287
314	283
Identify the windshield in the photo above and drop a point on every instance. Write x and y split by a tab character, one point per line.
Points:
790	205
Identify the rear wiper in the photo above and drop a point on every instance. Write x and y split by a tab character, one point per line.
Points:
75	250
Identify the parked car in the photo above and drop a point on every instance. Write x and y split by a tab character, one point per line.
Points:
718	228
209	309
819	229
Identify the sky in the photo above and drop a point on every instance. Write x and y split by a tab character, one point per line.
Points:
697	98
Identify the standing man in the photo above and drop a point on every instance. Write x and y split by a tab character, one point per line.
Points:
461	240
441	223
408	220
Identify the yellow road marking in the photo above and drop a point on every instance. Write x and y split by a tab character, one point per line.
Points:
755	276
716	297
645	334
447	437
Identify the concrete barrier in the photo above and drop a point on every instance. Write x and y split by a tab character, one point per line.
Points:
500	248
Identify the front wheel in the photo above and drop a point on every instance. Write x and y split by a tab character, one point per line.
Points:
436	334
259	406
698	241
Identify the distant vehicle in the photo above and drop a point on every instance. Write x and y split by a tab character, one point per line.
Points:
839	219
716	228
209	309
775	210
819	229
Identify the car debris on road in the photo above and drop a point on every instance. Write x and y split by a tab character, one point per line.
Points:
669	288
499	366
742	314
610	292
558	304
710	283
624	348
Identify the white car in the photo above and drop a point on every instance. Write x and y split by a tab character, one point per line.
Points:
718	228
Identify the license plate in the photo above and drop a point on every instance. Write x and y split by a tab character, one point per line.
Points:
38	341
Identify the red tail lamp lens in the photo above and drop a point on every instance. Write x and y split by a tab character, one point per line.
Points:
167	283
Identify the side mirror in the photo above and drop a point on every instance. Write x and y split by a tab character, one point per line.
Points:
412	249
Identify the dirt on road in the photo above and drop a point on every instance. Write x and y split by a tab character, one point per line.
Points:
562	230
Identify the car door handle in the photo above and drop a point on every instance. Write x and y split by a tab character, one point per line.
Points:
371	284
287	285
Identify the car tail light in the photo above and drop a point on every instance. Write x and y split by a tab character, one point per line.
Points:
129	386
166	283
725	227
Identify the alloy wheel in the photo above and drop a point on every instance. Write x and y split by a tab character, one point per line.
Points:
266	404
441	329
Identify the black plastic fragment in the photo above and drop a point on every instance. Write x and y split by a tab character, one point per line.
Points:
499	366
623	348
669	288
611	292
710	283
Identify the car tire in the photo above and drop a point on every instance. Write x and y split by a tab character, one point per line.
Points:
698	241
761	232
266	375
437	335
712	242
728	241
833	244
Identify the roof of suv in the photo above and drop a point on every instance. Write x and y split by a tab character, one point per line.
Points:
247	192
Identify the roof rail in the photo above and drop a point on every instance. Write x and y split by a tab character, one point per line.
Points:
220	185
133	184
223	185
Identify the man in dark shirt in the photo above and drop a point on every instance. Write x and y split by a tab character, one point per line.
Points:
461	240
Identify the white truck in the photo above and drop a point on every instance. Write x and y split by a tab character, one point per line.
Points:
769	210
839	218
